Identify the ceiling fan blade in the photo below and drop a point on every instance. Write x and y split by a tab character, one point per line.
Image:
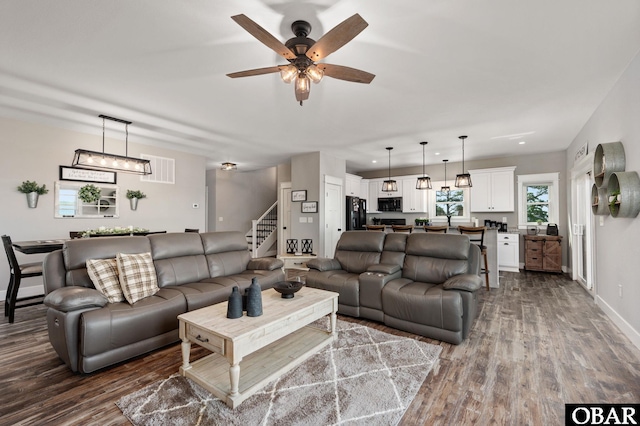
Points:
340	35
264	36
346	73
257	71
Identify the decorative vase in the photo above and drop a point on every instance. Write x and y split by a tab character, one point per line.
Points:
254	299
134	203
234	307
32	200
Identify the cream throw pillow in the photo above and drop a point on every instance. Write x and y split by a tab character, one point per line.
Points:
104	275
137	276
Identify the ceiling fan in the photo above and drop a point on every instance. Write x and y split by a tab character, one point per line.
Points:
303	52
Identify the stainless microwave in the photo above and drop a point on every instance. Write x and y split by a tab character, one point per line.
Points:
393	204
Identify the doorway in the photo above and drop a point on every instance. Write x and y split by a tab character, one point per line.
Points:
583	225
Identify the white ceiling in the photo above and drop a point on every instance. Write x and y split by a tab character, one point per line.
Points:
487	69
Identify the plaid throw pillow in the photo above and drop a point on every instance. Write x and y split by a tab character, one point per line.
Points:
104	275
137	276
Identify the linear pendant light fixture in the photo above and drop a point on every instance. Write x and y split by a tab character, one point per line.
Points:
463	180
389	185
445	188
93	160
423	182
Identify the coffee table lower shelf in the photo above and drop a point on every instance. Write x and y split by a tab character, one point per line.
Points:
258	368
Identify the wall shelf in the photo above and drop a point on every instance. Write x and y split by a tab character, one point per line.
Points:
628	183
609	158
599	201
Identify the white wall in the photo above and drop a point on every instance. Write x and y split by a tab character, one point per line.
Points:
617	119
35	152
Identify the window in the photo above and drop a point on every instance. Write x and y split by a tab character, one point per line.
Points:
538	200
454	203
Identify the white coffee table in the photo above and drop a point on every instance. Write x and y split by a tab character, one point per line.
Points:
268	345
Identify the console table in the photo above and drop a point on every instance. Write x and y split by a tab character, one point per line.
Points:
543	253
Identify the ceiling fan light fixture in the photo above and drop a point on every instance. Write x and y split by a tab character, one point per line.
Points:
314	73
288	73
463	180
423	182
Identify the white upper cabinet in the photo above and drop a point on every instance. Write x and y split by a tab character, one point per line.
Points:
352	185
413	200
492	190
374	189
364	189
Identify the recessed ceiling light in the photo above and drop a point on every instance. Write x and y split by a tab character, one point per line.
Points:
437	153
521	143
374	161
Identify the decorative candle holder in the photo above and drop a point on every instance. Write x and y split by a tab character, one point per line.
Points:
292	246
307	246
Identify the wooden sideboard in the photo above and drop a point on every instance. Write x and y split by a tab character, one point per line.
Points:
543	253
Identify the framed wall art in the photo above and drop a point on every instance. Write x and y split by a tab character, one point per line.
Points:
309	207
300	195
84	175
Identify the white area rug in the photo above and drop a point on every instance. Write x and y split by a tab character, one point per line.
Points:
364	377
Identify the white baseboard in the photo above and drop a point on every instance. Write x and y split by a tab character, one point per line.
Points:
34	290
623	325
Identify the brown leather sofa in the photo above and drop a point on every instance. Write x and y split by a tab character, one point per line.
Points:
193	271
424	283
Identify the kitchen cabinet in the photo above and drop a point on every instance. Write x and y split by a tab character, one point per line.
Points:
413	200
543	253
372	201
492	190
364	189
352	185
508	252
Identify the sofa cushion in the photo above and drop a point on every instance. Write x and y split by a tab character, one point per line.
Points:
434	258
171	245
137	276
73	298
104	275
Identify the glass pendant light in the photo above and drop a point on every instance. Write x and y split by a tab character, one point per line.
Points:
445	188
463	180
389	185
423	182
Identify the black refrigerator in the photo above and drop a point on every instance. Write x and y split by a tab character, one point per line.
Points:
356	213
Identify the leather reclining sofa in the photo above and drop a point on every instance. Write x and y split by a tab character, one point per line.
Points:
193	271
424	283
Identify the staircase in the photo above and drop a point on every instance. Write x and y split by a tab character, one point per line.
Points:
263	236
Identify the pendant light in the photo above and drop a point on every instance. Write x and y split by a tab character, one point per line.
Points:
389	185
423	182
445	188
93	160
463	180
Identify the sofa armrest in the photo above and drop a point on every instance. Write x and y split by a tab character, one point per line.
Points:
265	264
72	298
466	282
324	264
384	268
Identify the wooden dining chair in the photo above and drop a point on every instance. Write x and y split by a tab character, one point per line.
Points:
476	236
17	272
375	227
439	229
402	228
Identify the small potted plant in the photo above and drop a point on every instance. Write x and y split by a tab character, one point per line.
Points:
33	191
614	198
89	193
134	195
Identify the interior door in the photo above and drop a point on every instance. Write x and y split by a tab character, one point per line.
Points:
334	219
284	217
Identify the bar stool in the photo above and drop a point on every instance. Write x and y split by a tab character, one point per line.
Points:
17	272
476	236
375	227
439	229
402	228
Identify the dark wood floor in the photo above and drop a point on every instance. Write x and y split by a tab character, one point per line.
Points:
539	342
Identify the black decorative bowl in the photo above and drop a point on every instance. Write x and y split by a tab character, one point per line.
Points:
288	288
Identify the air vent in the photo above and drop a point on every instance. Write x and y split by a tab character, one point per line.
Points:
163	170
